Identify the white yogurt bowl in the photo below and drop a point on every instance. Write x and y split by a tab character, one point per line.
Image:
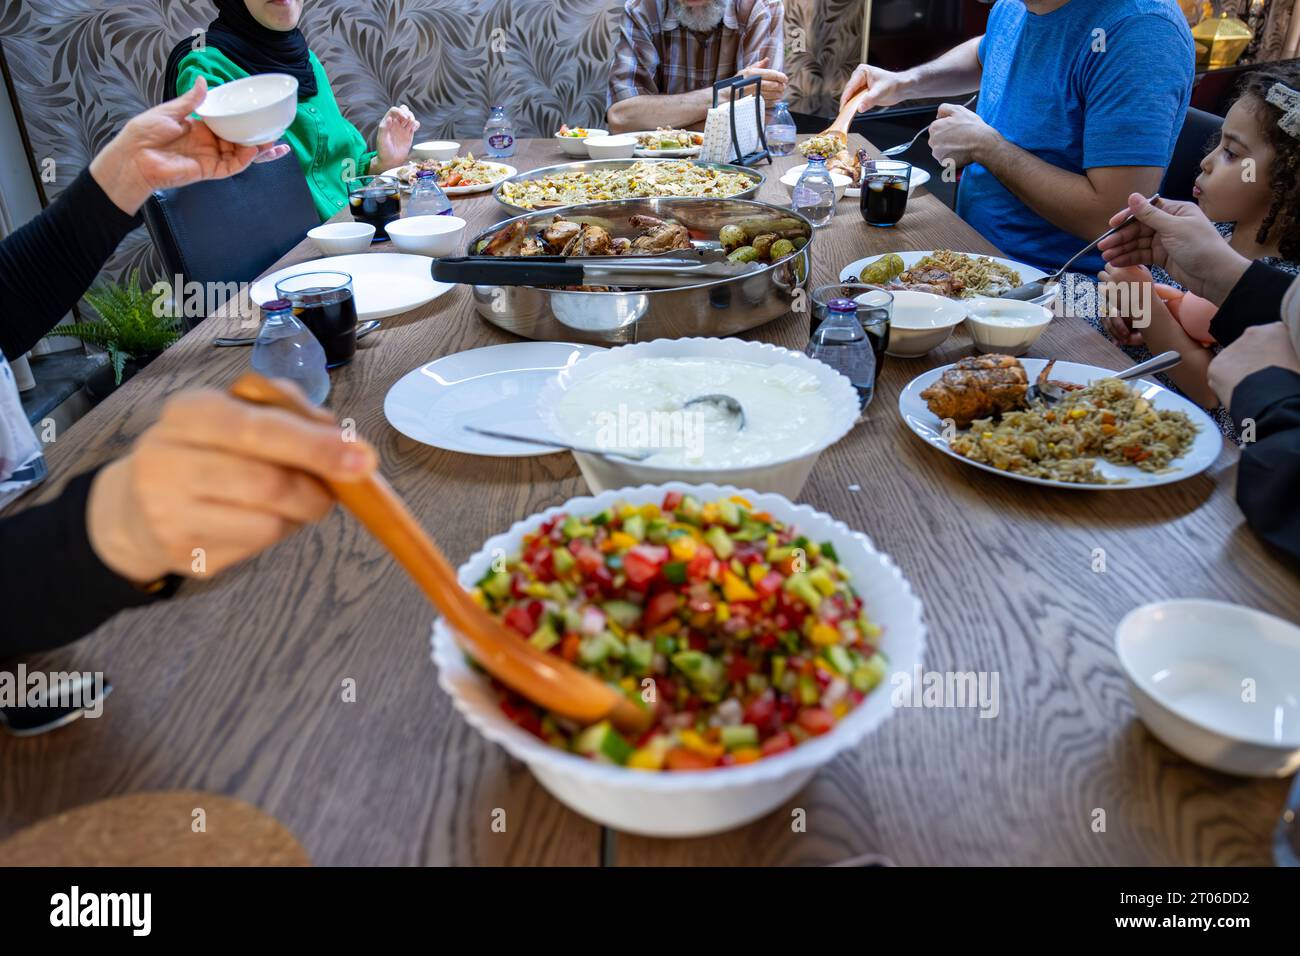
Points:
783	474
1005	325
427	235
610	147
252	111
669	804
576	146
1217	682
838	180
920	322
342	238
439	149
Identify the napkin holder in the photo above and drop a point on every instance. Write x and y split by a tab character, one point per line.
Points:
730	135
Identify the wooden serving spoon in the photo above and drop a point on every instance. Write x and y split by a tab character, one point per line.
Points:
541	677
840	128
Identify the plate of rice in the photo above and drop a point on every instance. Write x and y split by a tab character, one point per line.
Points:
1108	435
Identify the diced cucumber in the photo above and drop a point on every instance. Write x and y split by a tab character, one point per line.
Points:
839	659
563	560
756	683
675	572
717	539
496	585
828	551
640	653
574	527
821	579
739	735
866	677
809	692
802	587
729	513
778	670
665	644
602	742
702	670
602	517
689	509
544	638
635	526
656	530
625	613
749	531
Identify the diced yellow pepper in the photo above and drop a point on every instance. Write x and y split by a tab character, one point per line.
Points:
722	612
649	510
627	511
647	758
537	589
741	501
629	684
691	740
746	754
757	571
823	635
840	708
1078	412
871	629
735	589
622	540
479	599
709	513
682	548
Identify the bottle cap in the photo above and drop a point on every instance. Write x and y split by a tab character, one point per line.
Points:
277	305
841	305
425	174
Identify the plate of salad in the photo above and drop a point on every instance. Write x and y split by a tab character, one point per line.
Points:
759	634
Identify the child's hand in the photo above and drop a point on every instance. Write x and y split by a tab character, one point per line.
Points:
1123	296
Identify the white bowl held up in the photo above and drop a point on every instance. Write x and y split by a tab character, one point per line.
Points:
1217	682
670	804
427	235
920	322
342	238
784	476
439	149
1005	325
254	110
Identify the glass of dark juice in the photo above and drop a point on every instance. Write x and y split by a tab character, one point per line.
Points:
884	191
376	200
323	302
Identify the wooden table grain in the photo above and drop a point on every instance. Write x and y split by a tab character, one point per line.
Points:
237	686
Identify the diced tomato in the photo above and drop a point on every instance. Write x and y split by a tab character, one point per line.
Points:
589	559
761	709
766	640
776	744
769	584
822	677
679	758
671	500
517	584
788	708
739	669
523	715
748	553
642	563
661	607
816	720
603	578
543	565
517	616
700	565
698	642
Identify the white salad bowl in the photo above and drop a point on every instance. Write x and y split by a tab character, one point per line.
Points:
838	180
1217	682
427	235
439	149
1005	325
610	147
342	238
576	146
254	110
920	322
678	804
784	476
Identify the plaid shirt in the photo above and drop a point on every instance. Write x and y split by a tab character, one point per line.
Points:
657	55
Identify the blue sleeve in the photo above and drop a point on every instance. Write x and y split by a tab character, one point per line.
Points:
1135	92
994	24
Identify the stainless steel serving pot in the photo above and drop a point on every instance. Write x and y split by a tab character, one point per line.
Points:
597	165
717	308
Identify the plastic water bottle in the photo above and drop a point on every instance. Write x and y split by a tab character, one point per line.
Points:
781	132
285	348
814	193
427	197
499	134
843	344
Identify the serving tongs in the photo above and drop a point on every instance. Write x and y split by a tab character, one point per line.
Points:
541	677
672	270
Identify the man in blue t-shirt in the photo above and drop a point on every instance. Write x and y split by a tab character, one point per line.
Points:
1080	103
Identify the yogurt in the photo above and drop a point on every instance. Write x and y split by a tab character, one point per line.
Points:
642	405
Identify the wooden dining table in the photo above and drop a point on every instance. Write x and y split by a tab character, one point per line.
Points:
240	684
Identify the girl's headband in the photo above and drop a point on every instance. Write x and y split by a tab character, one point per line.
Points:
1288	101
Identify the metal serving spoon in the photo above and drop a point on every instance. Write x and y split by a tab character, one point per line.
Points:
1051	394
635	454
724	402
363	329
41	715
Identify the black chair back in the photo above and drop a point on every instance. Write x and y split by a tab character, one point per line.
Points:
1197	136
230	230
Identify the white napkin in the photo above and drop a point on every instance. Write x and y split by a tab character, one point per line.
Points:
718	147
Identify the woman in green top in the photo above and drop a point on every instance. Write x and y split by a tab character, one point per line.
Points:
262	36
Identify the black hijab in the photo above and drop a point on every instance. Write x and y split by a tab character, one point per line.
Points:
250	46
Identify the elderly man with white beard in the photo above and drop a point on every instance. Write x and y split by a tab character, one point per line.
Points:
669	54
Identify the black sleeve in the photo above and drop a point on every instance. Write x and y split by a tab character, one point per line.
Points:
1268	476
1256	299
48	264
53	587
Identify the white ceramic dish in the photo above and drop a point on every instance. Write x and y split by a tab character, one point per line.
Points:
921	322
1217	682
919	177
427	235
342	238
684	153
1027	272
1005	325
494	387
252	111
670	804
1205	447
840	181
576	146
783	476
439	149
383	283
500	172
610	147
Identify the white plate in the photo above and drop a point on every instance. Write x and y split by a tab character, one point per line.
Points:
505	170
1205	447
1027	272
663	153
494	387
383	283
919	177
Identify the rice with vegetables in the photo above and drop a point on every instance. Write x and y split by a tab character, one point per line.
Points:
1106	420
640	180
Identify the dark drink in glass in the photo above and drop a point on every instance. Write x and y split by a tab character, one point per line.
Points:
884	191
376	200
323	302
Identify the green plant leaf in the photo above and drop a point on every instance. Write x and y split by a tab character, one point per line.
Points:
127	326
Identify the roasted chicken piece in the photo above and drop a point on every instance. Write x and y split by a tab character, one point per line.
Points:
558	234
658	235
934	280
620	246
589	240
506	242
977	387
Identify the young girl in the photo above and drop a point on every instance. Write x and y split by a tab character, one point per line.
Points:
1250	185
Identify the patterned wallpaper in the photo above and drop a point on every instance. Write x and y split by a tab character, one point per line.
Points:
81	68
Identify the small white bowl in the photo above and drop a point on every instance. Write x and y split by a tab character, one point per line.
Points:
342	238
440	149
610	147
785	476
254	110
427	235
669	804
1217	682
838	180
1005	325
577	145
920	322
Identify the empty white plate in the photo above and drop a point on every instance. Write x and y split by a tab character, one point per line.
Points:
493	387
383	283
